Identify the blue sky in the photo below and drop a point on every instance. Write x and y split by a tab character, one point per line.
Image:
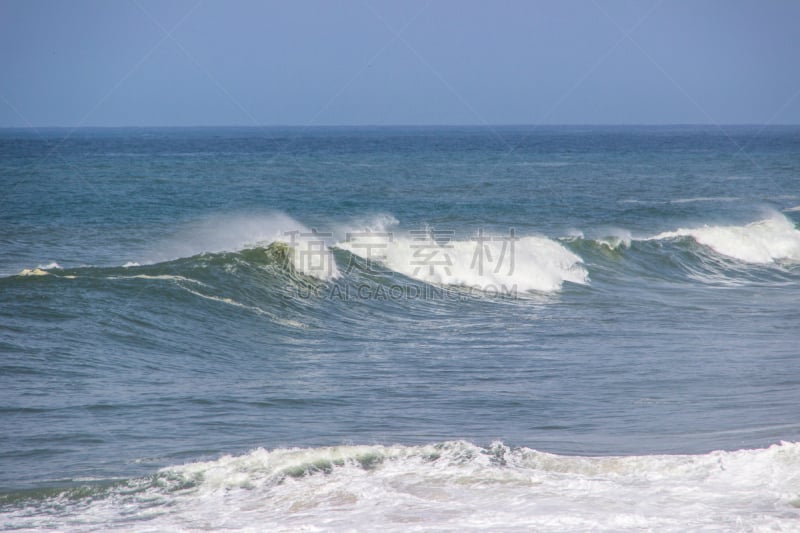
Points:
209	62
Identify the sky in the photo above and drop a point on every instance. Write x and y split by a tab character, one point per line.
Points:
370	62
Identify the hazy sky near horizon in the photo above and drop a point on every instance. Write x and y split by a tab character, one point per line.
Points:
210	62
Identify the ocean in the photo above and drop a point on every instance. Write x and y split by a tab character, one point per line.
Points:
400	329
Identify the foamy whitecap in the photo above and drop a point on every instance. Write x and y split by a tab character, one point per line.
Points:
447	486
497	264
41	270
33	272
764	241
457	485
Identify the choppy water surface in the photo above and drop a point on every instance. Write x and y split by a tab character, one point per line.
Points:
400	328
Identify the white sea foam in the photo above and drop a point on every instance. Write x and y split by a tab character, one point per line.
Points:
42	270
615	242
491	263
454	486
765	241
697	199
33	272
160	277
612	238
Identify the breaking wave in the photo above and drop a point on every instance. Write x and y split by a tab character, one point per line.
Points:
527	263
451	485
766	241
277	252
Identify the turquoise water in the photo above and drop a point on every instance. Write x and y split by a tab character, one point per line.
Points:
453	309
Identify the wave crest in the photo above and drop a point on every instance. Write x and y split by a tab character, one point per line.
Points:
309	255
526	263
765	241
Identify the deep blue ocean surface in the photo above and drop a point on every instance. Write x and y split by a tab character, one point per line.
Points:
562	328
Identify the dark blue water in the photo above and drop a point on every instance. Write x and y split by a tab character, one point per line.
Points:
147	318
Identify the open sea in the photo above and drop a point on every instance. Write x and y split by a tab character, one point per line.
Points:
400	329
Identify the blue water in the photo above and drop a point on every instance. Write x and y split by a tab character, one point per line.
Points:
147	319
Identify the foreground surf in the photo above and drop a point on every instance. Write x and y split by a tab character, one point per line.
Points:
452	485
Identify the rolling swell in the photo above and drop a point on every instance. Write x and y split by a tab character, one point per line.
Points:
679	260
764	251
270	278
138	311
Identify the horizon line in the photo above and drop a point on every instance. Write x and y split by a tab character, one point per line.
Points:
443	125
